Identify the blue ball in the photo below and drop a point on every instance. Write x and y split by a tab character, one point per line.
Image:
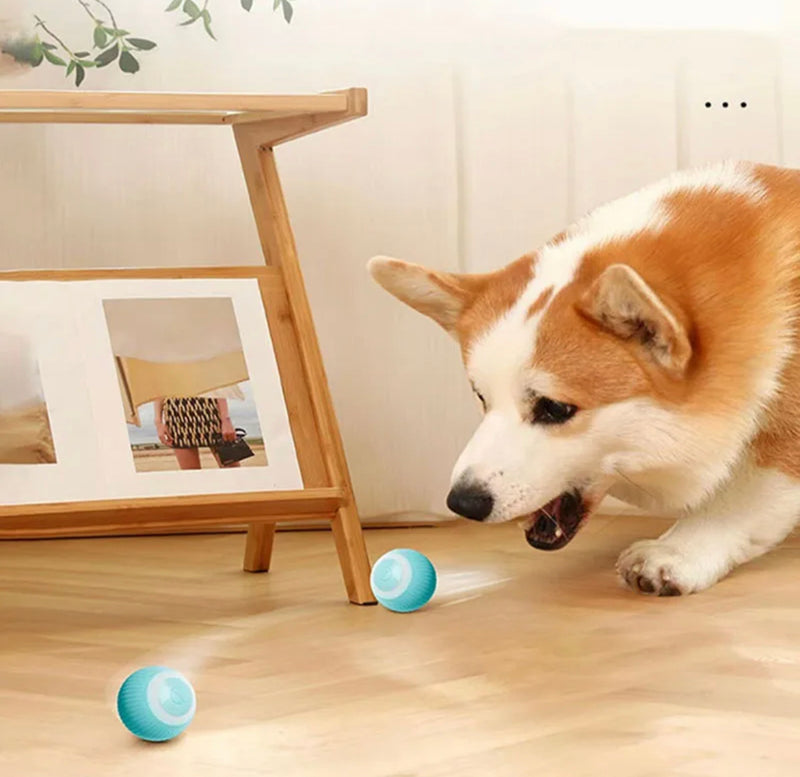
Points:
403	580
156	703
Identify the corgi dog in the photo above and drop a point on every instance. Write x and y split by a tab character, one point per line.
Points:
648	352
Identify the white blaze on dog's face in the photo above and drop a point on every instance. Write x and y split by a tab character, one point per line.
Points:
562	353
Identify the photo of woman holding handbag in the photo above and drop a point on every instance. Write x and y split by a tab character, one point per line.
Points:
184	384
187	424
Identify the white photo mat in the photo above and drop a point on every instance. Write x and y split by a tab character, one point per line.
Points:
66	322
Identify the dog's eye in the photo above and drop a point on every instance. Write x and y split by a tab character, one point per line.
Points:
548	411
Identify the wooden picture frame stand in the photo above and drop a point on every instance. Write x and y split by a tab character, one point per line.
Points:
259	122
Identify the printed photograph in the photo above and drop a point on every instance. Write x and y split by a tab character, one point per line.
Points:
184	384
25	433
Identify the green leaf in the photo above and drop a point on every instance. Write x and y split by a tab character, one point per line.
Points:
141	43
100	37
80	54
110	31
173	5
206	16
108	56
70	67
247	4
275	5
128	63
191	8
80	74
38	56
192	20
49	46
288	11
53	58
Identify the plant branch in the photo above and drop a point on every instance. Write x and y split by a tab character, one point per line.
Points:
40	23
110	14
88	10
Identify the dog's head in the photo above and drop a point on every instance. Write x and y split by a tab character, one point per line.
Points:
570	354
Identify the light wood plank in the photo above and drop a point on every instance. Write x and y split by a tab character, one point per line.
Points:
259	272
160	102
137	117
524	664
115	117
200	510
291	115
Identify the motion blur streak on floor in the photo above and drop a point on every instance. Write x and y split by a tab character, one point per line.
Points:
526	663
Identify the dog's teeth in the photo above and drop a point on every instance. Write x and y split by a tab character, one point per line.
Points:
559	532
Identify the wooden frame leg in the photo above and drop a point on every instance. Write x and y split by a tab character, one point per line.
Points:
278	245
258	547
352	550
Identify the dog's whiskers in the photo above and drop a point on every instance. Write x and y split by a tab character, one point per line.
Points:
551	518
635	485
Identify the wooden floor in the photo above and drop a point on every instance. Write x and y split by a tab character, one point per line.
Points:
525	664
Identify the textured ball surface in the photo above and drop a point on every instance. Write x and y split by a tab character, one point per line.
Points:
403	580
155	703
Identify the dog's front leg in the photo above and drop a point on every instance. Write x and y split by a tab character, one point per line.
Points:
756	510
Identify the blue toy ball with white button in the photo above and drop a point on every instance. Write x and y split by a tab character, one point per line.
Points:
156	703
403	580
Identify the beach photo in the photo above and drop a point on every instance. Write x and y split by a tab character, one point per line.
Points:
184	384
25	432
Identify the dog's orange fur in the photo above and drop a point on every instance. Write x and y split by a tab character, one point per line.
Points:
540	302
725	266
497	293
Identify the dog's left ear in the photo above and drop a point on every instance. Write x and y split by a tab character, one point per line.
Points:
439	295
621	301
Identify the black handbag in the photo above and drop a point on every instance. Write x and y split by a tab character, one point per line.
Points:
231	451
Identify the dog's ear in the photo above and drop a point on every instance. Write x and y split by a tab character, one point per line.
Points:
438	295
620	301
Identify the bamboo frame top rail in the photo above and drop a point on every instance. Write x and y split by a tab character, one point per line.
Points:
41	106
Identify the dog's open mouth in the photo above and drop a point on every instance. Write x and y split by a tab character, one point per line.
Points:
551	527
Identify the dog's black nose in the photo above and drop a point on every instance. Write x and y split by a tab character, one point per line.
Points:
471	501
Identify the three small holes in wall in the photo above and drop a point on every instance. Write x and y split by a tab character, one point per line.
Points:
726	104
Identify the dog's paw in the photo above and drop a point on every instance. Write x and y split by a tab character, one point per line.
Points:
657	568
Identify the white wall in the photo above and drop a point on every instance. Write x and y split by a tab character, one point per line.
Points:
489	129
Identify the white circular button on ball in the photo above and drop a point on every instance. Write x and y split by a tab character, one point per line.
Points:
394	568
182	698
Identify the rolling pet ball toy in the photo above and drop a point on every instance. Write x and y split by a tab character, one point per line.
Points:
403	580
155	703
